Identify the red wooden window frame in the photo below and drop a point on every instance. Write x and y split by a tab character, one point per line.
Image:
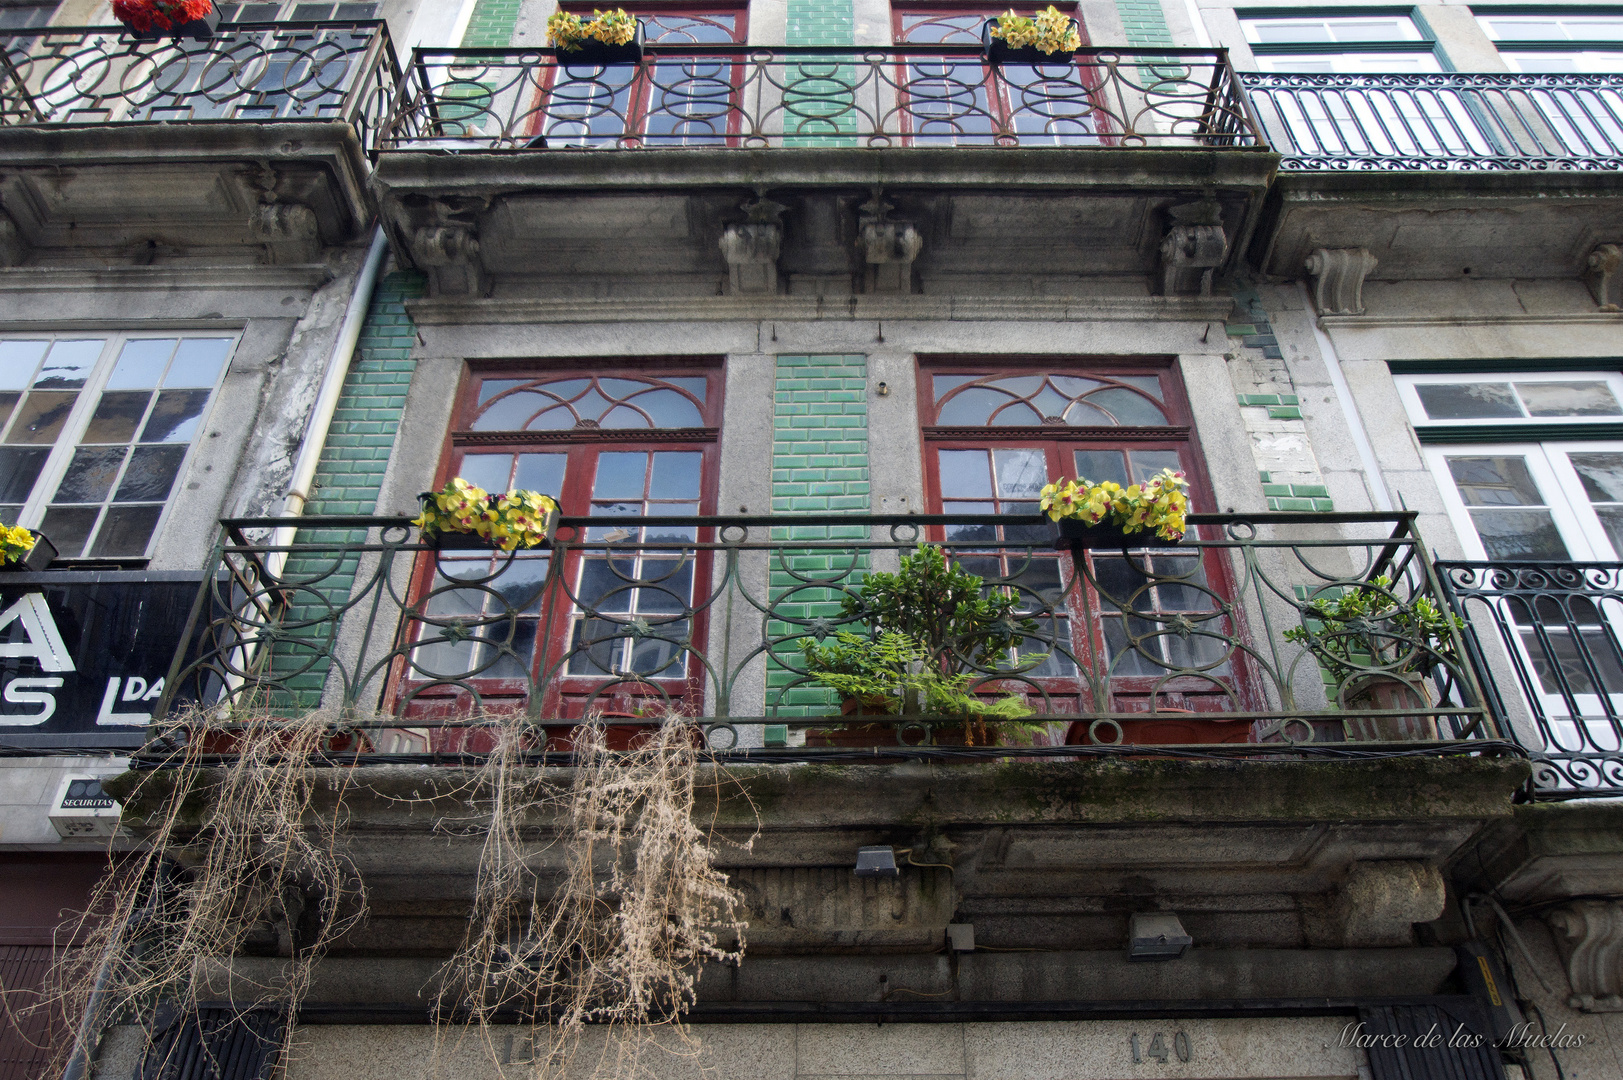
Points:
566	694
640	90
1130	693
997	90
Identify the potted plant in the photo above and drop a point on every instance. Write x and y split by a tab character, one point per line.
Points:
608	37
1376	653
932	631
1048	37
461	515
24	550
151	20
1106	514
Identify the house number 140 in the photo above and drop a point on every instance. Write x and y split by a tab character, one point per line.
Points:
1158	1050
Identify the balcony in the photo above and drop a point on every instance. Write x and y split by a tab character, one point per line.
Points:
254	142
525	178
1546	639
1210	649
1443	176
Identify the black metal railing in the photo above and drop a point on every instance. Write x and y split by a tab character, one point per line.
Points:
1448	120
1214	642
1559	625
750	96
247	72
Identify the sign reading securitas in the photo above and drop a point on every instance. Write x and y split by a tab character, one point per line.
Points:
83	655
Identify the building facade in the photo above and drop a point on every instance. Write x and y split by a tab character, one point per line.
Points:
808	284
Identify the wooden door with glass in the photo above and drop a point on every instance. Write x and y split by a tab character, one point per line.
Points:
1142	630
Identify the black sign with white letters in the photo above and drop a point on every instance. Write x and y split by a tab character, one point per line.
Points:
83	654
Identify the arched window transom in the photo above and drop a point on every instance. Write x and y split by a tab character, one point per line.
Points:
590	402
1049	399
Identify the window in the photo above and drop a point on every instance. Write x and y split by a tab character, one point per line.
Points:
962	102
688	101
1571	40
95	431
296	11
993	438
616	621
1373	41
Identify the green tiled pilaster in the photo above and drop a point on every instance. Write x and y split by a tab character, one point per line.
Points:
820	102
349	476
1145	23
491	26
819	465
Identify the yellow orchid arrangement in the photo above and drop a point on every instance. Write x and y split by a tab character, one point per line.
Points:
1050	31
1159	505
15	543
566	30
517	519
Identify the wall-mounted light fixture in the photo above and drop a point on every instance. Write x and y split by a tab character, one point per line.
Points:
876	862
1157	935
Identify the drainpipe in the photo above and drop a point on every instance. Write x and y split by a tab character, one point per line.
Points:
1355	424
332	386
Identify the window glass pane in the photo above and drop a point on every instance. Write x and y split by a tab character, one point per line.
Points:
1468	401
90	474
117	416
1282	31
68	364
126	531
141	363
965	474
676	476
69	527
197	362
1568	399
18	361
176	416
1126	407
19	469
1146	463
1494	481
1611	519
40	417
1097	466
1519	534
151	473
971	408
511	413
1021	474
8	402
620	475
667	408
493	472
1601	475
541	472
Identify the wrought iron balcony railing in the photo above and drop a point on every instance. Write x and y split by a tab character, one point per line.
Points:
749	96
1214	646
247	72
1561	627
1449	120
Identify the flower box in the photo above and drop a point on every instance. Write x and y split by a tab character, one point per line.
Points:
38	558
1072	534
996	51
467	541
590	52
150	21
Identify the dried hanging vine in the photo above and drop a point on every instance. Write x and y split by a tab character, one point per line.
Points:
611	929
236	848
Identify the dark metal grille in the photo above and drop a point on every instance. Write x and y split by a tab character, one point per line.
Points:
1440	121
213	1044
1557	624
343	71
379	620
1463	1049
749	96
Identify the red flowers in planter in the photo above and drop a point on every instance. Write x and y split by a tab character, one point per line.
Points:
144	16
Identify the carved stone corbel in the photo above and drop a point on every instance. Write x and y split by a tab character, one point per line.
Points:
289	232
449	254
1589	935
751	250
1194	247
13	248
888	247
1338	279
1603	273
1382	900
